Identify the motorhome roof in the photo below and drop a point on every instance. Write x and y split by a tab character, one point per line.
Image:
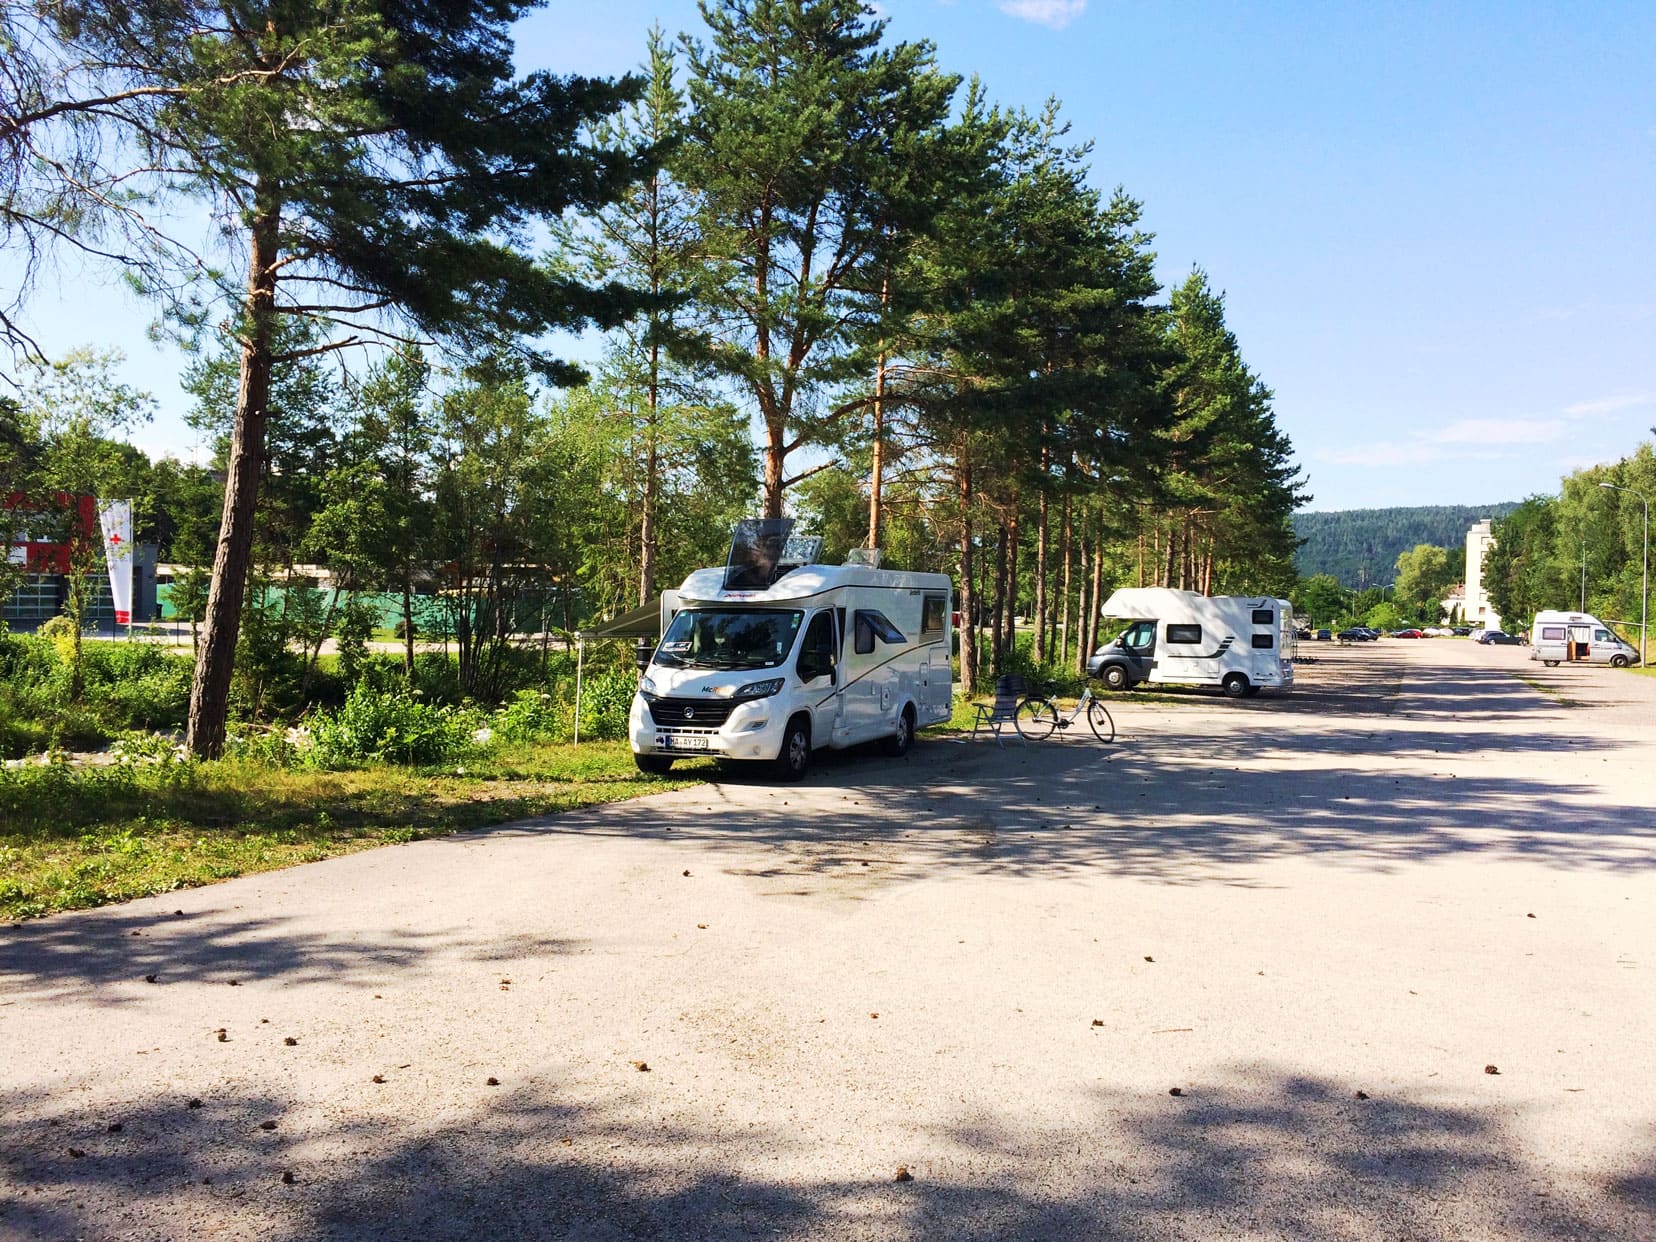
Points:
706	586
1166	603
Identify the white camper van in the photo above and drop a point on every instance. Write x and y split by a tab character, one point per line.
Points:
1237	642
767	659
1578	638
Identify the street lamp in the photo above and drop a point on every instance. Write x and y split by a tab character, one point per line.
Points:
1644	584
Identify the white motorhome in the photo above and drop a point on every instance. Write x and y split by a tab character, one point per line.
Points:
1577	638
767	660
1240	643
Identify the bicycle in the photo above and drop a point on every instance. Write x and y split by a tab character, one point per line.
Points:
1036	716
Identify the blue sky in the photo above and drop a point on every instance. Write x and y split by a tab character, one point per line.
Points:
1434	223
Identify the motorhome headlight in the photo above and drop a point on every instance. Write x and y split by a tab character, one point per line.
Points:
646	685
760	689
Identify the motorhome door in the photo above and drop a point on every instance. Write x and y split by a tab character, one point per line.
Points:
1579	643
1262	643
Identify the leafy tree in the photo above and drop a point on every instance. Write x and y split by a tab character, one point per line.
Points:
1322	599
370	159
1424	576
796	112
1521	572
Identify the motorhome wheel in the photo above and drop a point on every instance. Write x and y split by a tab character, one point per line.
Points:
1619	661
655	765
898	744
794	758
1235	685
1115	677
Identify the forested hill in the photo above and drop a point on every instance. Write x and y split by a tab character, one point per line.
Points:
1360	546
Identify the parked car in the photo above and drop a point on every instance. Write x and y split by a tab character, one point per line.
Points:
1500	638
1461	631
1409	633
1324	635
1356	634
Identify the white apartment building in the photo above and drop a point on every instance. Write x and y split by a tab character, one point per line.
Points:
1478	542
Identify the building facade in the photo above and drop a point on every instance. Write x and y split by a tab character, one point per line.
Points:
1478	542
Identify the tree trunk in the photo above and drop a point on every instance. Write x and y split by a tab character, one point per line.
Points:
876	476
1083	627
1064	597
1041	568
408	628
1012	581
210	688
652	466
968	596
1097	600
997	650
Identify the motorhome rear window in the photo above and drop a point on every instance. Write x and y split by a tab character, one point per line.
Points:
1264	642
871	625
1184	633
1552	633
933	610
1263	616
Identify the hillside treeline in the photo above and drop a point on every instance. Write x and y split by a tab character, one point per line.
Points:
832	278
1359	548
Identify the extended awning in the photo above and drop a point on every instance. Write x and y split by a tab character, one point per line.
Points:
642	622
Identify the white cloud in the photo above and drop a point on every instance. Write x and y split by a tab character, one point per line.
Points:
1610	405
1054	13
1385	454
1498	431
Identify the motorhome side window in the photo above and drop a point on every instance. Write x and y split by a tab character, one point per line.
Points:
1552	633
1601	636
932	612
871	625
1140	636
1184	633
1264	642
816	653
1263	616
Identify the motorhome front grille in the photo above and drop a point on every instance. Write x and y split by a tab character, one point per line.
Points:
691	713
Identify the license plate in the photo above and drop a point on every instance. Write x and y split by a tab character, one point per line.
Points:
691	742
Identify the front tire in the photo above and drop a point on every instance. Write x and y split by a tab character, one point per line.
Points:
1619	661
654	765
1098	719
901	742
794	759
1235	685
1035	719
1115	677
1550	663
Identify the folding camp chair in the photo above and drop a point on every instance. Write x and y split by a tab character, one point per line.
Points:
1009	692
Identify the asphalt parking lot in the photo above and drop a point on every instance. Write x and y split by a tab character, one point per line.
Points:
1372	959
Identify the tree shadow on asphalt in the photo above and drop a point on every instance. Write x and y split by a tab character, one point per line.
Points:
1261	1153
1167	808
125	945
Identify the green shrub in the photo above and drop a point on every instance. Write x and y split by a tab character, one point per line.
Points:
605	701
531	715
392	727
57	627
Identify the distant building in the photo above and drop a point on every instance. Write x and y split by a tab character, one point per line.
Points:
42	591
1478	542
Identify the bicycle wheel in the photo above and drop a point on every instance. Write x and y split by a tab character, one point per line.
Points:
1098	716
1035	719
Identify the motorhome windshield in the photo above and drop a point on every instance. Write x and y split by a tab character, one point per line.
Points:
729	638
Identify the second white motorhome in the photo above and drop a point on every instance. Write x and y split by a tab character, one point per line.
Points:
1240	643
768	659
1578	638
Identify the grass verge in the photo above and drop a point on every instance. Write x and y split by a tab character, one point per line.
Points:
74	837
